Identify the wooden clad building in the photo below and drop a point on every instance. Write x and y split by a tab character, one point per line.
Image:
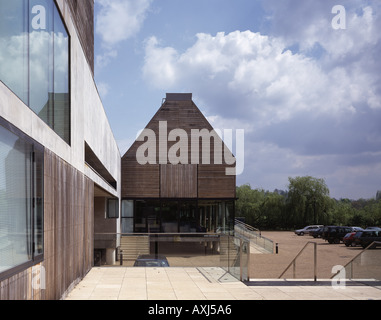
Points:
174	177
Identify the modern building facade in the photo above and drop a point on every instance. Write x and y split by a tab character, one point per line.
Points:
59	161
175	176
62	178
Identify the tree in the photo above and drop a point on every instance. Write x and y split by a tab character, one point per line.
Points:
272	210
248	204
308	200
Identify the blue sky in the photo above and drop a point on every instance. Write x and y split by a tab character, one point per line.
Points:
307	93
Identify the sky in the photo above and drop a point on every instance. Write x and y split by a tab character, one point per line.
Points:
301	77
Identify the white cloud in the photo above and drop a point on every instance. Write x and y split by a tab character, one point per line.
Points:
160	64
266	83
303	114
119	20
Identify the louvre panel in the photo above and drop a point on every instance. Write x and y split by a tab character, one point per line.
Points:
69	226
140	181
214	183
178	181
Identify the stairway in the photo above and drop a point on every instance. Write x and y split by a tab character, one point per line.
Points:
133	246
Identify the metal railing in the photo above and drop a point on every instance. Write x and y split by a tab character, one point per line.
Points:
364	266
293	262
262	244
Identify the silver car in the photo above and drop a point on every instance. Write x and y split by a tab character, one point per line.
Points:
306	230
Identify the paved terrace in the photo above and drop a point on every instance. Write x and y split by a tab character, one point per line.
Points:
120	283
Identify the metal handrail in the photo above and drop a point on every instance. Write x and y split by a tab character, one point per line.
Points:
246	226
354	258
254	234
293	262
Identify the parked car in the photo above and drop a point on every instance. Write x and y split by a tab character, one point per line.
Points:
317	233
356	229
367	237
335	234
151	260
373	228
306	230
349	238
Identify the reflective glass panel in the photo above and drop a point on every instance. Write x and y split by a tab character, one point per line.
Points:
16	200
169	216
41	57
34	59
14	47
61	120
21	200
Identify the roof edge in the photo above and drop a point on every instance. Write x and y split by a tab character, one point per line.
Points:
179	97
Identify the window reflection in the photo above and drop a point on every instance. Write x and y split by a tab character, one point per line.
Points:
177	216
21	201
14	47
34	59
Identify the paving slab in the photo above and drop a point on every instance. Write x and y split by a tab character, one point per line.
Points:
128	283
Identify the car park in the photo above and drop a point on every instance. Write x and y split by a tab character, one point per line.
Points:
335	234
367	237
307	229
151	260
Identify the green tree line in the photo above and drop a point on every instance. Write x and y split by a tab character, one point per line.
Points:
307	201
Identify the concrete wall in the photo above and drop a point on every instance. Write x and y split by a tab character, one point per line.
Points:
89	124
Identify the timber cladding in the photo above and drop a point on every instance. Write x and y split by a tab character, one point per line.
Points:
83	17
179	181
68	234
185	180
69	225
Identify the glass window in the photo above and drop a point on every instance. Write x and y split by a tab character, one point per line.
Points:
41	47
127	209
14	47
127	216
61	119
34	59
147	216
169	216
188	217
112	208
21	201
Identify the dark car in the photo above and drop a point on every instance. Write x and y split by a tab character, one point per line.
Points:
151	260
367	237
317	233
335	234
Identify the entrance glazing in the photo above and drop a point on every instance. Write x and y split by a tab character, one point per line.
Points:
176	216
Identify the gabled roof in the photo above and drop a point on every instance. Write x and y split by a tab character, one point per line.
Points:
178	113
